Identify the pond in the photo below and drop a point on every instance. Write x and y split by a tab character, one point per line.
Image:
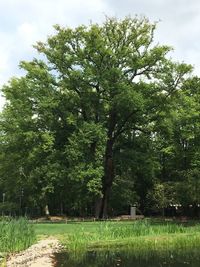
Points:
126	259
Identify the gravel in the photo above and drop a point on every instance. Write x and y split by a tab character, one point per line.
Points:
40	254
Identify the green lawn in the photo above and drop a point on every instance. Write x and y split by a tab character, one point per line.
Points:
59	229
157	226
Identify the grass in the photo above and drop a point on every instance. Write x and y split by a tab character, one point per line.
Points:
146	237
15	235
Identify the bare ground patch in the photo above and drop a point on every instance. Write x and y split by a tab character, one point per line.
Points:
40	254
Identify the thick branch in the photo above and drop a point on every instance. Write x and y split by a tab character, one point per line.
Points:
121	127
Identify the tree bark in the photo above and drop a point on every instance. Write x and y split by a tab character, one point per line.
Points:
107	179
46	211
97	207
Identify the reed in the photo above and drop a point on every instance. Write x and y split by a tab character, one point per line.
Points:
144	237
15	235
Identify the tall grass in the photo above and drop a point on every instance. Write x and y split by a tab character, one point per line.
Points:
15	235
143	237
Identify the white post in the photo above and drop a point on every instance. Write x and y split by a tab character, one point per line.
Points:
133	212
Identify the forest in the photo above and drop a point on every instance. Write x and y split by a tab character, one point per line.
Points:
102	119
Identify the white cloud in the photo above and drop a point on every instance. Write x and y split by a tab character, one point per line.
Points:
27	32
3	62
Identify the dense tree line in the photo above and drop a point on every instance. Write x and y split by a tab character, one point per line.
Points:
102	120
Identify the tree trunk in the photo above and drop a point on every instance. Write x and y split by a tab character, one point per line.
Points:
97	207
46	211
107	179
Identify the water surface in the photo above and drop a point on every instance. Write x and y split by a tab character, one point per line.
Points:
126	259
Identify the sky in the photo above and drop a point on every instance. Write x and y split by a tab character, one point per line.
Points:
24	22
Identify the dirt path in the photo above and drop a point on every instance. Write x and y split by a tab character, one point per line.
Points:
38	255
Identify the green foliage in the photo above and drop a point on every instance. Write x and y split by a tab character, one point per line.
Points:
8	207
188	189
162	196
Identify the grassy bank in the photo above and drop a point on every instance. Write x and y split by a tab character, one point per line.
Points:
144	237
15	235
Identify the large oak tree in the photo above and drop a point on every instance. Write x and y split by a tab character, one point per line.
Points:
93	87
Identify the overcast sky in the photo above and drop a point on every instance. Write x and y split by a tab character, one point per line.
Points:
23	22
